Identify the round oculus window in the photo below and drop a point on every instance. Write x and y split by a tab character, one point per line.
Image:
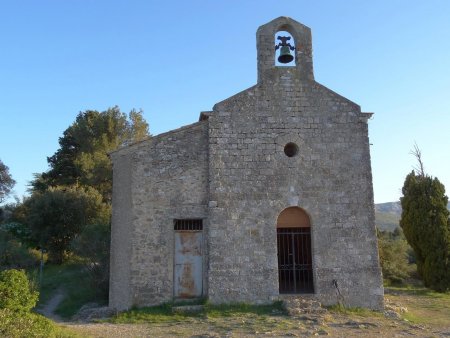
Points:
291	149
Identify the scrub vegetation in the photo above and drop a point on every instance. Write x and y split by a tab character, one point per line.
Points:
17	299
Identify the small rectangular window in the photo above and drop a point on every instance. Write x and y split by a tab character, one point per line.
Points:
188	224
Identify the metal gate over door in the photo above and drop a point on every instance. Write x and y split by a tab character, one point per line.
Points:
294	260
188	270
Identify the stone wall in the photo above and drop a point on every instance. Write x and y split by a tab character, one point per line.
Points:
169	181
121	231
252	181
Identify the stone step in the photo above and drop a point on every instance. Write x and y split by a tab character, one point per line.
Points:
297	306
187	308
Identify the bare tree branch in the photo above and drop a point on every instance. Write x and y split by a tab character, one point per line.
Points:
419	168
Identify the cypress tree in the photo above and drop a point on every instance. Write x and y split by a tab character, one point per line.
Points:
426	225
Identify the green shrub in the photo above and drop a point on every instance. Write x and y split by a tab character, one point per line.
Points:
394	256
16	301
26	324
15	291
13	254
92	244
56	216
18	230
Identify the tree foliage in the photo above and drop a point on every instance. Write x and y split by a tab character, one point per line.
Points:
82	158
93	244
426	225
6	181
57	215
395	256
14	254
76	190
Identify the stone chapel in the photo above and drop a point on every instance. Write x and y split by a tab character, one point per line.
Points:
269	195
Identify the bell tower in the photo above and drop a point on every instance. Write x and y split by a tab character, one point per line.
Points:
299	48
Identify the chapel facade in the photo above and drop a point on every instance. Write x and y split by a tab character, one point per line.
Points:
269	195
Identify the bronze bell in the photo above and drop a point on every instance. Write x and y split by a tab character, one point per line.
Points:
285	55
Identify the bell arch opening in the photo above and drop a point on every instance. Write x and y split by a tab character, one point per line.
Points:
294	252
284	49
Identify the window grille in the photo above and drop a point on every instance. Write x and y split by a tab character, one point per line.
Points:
295	260
188	224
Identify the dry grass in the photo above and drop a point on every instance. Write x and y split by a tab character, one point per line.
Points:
424	306
428	315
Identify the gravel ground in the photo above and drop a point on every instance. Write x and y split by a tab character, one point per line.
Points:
328	324
319	323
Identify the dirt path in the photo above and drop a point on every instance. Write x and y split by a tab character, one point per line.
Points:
48	310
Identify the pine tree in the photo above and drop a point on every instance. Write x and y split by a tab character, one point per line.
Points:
82	158
6	181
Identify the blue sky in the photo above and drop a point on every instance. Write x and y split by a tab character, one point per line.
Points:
174	59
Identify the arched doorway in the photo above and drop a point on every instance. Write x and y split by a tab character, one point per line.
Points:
294	251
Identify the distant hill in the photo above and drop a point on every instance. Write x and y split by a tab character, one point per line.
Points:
387	215
390	207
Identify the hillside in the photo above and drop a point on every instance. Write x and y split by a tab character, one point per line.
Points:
387	215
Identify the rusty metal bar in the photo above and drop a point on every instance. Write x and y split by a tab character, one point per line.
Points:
294	260
188	224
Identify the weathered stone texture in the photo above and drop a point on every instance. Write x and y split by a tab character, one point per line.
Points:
121	231
231	170
169	181
254	180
